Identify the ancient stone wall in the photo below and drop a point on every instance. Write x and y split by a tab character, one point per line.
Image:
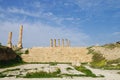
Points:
57	54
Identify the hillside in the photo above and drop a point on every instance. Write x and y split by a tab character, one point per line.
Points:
110	51
8	57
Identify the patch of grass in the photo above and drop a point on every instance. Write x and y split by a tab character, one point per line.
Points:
112	45
72	75
53	63
98	61
19	53
113	64
87	72
112	67
99	64
48	63
43	74
2	75
116	61
85	63
69	68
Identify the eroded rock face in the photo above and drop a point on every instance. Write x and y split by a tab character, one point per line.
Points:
7	53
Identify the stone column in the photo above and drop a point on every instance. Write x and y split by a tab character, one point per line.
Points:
9	43
54	42
58	42
62	42
67	42
51	42
20	37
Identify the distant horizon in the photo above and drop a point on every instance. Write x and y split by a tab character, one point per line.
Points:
83	22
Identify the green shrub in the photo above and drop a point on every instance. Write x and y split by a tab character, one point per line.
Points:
2	75
69	68
113	64
98	61
27	52
84	63
99	64
86	71
53	63
43	74
97	57
19	53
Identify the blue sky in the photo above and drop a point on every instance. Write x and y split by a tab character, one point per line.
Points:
83	22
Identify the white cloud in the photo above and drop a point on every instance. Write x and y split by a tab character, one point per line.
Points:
2	15
24	12
42	15
88	4
116	33
37	14
97	4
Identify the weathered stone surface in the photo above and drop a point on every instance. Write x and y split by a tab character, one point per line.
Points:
58	42
67	42
57	54
20	37
54	42
51	42
63	43
9	43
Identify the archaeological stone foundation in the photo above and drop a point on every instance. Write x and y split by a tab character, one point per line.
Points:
60	50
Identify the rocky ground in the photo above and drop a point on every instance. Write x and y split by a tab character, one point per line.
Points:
23	69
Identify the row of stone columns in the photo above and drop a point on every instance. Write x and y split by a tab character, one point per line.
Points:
19	45
65	43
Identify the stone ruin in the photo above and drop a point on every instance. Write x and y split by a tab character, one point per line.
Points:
57	43
19	45
53	42
9	43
